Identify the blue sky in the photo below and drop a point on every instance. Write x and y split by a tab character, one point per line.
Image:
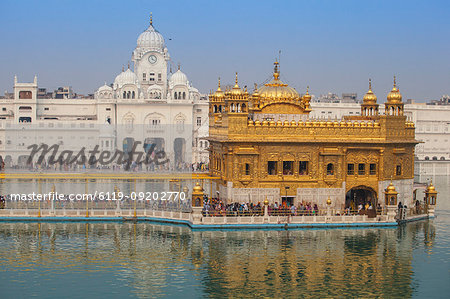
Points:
332	46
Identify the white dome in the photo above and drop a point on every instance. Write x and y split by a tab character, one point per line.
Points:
179	78
151	39
126	77
105	88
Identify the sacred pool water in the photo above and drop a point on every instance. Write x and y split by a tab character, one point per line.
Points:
46	260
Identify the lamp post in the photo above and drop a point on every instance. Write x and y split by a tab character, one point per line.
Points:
52	192
390	195
328	206
87	198
135	198
39	201
430	199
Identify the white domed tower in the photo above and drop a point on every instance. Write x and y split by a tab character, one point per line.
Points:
178	86
150	59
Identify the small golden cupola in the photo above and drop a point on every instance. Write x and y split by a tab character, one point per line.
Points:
394	104
237	99
307	99
236	90
219	92
216	100
369	107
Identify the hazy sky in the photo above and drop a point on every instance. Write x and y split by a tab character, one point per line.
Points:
332	46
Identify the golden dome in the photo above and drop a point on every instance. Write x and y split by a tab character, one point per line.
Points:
197	188
391	189
370	97
394	96
430	188
276	88
219	92
307	96
236	90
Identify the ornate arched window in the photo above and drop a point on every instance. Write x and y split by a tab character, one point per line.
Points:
330	169
184	95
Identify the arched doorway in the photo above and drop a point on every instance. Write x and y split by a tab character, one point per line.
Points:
156	143
179	148
127	146
360	195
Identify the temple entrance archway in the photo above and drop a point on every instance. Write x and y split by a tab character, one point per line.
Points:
360	195
179	148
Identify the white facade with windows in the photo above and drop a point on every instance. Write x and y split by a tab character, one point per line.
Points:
136	106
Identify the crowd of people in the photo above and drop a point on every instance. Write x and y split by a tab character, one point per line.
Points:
216	207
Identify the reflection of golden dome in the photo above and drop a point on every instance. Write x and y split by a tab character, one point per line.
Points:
370	97
266	202
276	88
197	188
394	96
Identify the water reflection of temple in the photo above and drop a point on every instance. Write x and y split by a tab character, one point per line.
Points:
154	259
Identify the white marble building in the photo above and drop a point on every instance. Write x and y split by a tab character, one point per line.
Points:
147	103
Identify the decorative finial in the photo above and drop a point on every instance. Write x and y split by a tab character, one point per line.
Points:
236	80
395	83
219	84
123	69
151	19
256	87
128	65
307	89
370	84
276	73
178	66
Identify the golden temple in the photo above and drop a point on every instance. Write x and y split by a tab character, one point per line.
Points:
264	145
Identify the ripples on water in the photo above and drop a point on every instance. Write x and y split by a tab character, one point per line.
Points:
148	260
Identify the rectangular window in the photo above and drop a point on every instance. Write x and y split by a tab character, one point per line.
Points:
199	121
350	169
272	167
373	169
144	76
46	109
247	169
361	169
303	167
3	109
108	109
152	79
159	77
288	167
398	170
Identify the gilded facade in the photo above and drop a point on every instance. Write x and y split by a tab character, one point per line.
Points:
265	145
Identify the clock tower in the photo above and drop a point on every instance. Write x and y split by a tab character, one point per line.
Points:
150	61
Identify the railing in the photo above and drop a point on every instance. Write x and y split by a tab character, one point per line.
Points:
173	206
289	212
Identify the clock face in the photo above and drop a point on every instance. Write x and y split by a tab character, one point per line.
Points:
152	59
